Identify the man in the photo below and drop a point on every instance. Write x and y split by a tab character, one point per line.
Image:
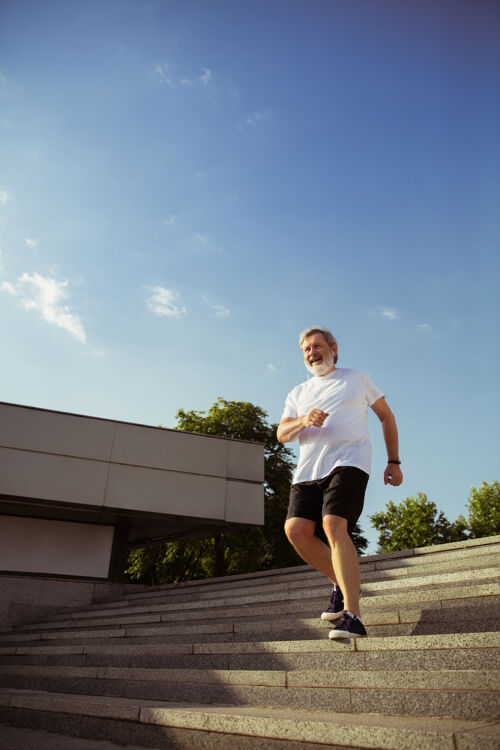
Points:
328	415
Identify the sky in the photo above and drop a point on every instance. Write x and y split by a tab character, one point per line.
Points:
186	185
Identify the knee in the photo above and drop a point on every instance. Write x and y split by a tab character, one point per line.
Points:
298	531
335	528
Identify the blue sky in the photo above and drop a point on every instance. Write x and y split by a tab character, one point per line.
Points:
184	186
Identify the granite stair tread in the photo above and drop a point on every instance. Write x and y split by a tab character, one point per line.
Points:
246	662
16	738
360	730
161	606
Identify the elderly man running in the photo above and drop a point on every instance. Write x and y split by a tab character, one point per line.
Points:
328	415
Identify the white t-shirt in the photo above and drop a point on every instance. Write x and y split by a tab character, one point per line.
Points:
343	439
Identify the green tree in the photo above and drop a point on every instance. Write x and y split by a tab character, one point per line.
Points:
169	563
484	510
359	541
257	548
415	522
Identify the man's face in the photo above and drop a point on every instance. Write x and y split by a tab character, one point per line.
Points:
318	355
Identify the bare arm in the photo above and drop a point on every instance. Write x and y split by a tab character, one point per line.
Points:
393	474
290	428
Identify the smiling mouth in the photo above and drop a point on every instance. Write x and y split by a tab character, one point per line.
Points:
315	360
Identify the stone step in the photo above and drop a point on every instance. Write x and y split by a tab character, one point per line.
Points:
415	557
157	606
382	577
428	556
312	580
471	694
466	579
301	630
15	738
214	726
389	605
386	562
481	649
459	611
248	646
378	624
465	598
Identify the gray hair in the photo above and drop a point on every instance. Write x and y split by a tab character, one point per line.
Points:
327	335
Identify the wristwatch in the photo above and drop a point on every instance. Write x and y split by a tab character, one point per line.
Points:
391	461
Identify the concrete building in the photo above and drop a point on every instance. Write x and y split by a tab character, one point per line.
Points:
77	492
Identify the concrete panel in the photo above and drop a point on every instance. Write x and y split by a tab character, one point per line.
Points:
57	547
245	461
45	476
156	491
168	449
55	432
244	503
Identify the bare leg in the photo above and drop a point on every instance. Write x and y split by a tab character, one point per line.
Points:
344	560
300	532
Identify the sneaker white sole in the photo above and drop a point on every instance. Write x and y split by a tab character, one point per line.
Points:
333	634
331	615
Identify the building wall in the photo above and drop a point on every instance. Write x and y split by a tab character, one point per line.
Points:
55	547
74	489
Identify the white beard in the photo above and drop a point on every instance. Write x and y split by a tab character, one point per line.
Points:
321	368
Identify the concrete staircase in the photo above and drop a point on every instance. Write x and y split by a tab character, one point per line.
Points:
245	662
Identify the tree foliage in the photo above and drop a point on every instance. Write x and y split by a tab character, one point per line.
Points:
359	541
415	522
484	510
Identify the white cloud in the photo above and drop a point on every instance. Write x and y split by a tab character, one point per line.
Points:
4	197
7	287
202	238
389	312
32	242
170	219
45	295
424	327
162	73
200	174
256	118
385	312
97	352
206	76
219	311
2	78
165	302
272	368
204	79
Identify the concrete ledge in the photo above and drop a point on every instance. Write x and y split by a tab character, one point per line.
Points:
144	483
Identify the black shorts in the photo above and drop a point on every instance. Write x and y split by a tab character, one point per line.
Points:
341	493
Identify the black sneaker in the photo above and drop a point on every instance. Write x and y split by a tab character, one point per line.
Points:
349	626
336	606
